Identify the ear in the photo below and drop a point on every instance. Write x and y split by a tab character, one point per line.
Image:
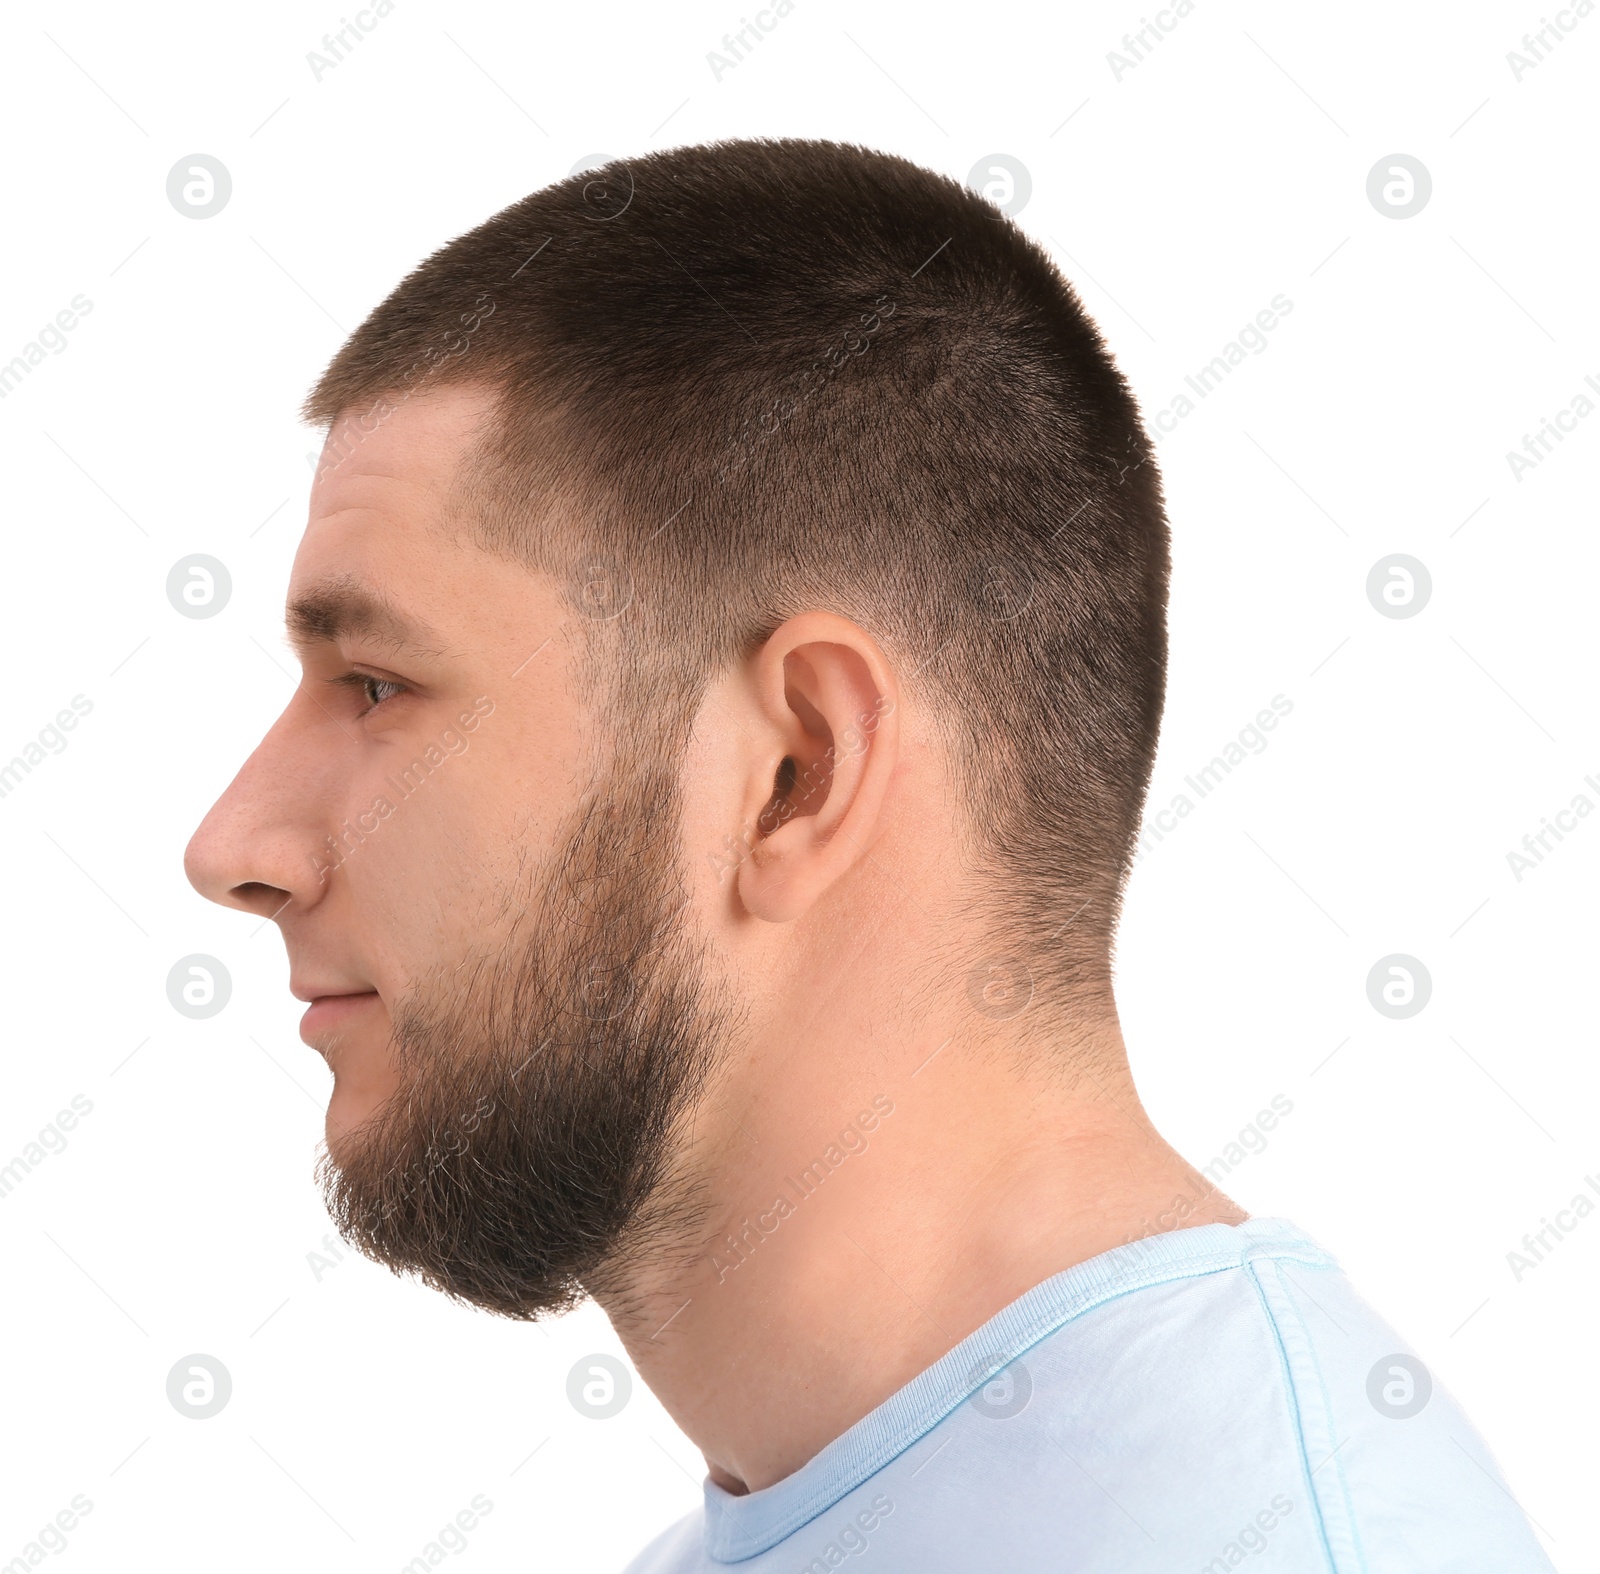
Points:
825	753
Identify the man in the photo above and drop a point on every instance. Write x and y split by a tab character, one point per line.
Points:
733	624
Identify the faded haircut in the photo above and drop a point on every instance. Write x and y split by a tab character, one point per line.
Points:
754	378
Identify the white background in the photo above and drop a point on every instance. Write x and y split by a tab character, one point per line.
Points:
1226	168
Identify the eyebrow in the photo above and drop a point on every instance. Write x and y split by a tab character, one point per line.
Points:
341	607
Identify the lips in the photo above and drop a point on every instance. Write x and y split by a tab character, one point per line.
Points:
326	991
330	1012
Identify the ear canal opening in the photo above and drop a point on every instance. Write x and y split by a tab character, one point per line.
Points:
779	809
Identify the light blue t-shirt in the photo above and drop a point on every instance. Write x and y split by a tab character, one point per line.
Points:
1204	1400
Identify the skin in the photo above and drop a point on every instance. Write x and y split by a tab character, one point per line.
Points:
1009	1151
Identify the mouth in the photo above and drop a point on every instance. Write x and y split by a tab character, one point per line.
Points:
328	1013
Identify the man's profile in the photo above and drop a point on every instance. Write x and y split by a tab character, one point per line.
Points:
733	621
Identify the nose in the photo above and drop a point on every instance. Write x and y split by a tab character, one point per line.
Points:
254	849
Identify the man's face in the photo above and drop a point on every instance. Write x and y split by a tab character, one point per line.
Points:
487	921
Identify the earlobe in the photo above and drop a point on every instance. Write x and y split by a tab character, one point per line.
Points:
827	694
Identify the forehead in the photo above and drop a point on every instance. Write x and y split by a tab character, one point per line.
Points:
392	470
385	528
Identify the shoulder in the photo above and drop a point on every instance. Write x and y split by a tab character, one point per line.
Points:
1388	1457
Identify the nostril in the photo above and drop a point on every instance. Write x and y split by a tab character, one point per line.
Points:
258	897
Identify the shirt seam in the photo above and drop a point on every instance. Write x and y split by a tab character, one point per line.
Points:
1327	1407
1296	1403
1293	1399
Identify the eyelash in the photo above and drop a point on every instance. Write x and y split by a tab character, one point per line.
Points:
363	682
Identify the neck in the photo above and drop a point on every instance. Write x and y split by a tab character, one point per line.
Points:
868	1213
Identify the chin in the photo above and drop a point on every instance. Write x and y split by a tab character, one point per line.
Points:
347	1113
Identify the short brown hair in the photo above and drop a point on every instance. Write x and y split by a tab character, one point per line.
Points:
779	375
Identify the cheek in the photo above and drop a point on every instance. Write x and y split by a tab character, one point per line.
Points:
432	839
404	849
427	883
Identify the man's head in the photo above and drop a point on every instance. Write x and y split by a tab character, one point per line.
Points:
717	565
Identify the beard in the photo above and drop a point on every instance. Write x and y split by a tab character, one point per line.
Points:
530	1154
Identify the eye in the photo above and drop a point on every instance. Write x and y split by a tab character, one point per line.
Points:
375	689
